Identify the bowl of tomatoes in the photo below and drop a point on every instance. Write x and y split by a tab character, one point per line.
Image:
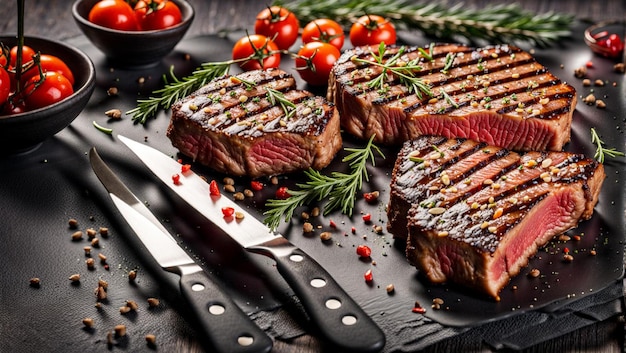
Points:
50	94
133	34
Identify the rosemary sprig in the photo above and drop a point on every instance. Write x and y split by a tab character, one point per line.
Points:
601	151
277	97
496	23
339	188
405	71
163	98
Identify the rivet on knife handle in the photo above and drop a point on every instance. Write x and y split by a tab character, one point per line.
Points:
229	328
336	315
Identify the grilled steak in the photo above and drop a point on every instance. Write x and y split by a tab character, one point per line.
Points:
236	127
499	95
474	213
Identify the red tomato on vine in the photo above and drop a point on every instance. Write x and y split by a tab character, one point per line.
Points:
153	15
261	51
372	30
324	30
5	85
314	62
114	14
49	63
41	93
279	24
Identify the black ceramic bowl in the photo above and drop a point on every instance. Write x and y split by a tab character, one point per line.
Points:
132	48
19	132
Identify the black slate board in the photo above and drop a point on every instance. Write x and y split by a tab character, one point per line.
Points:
45	187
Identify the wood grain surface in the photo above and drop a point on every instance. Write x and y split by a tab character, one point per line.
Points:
53	19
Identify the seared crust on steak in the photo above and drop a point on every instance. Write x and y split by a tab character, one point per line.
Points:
231	126
499	95
474	214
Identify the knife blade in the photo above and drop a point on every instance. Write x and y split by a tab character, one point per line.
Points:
336	315
226	326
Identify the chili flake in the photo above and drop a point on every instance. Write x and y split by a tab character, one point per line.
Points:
214	190
363	251
185	168
367	217
368	276
371	197
282	193
228	211
256	185
176	179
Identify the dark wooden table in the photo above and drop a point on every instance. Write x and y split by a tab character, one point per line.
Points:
52	19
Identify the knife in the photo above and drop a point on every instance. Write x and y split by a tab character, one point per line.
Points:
226	326
336	315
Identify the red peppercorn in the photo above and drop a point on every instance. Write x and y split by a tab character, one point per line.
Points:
333	224
353	230
185	168
589	64
282	193
228	211
368	276
367	217
363	251
566	250
256	185
176	179
180	161
214	190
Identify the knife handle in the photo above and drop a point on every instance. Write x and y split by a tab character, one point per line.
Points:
336	315
228	328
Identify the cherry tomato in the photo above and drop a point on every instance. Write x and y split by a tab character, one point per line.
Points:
279	24
371	30
114	14
49	63
314	62
54	88
27	55
324	30
153	15
5	85
11	107
259	47
614	45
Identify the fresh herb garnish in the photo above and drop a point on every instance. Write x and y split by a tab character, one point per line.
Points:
102	128
428	55
163	98
404	71
601	151
278	98
505	23
449	62
339	188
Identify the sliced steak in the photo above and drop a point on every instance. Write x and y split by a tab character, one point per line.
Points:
232	126
474	214
499	95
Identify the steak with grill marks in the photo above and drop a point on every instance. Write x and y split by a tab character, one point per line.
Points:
474	214
232	126
499	95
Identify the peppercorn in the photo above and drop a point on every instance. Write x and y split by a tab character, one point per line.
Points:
324	236
88	322
120	330
153	302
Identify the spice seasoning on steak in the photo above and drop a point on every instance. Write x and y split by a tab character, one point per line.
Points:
256	124
480	234
499	95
